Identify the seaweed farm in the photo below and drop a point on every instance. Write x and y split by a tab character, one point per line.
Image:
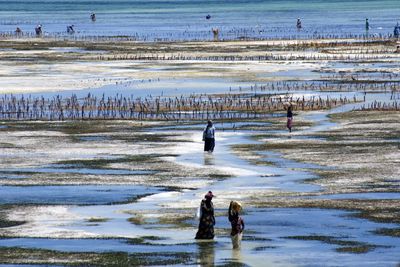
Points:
102	161
178	108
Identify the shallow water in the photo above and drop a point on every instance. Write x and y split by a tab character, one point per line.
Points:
378	195
248	176
73	195
265	239
322	121
187	19
91	245
164	87
278	223
177	87
75	50
68	169
221	126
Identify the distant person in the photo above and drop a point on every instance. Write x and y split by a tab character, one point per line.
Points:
18	31
397	49
298	24
396	31
237	223
367	27
70	29
209	137
215	32
207	219
38	30
93	17
208	16
289	116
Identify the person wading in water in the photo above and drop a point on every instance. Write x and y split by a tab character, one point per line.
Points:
38	30
237	223
289	116
207	219
298	24
209	137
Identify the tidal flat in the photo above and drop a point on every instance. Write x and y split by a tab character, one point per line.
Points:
154	68
56	225
105	192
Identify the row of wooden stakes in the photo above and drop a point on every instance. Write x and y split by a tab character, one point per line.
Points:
192	107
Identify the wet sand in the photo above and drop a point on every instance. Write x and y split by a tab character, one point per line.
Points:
45	65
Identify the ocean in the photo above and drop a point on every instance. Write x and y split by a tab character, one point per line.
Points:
186	19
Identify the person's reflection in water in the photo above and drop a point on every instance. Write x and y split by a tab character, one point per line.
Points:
206	253
209	159
237	255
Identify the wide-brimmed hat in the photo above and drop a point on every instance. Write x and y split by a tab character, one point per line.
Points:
209	195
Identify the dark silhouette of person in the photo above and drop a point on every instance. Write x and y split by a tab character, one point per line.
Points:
38	30
209	137
70	29
289	116
298	24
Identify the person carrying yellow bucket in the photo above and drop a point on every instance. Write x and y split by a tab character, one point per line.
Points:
237	223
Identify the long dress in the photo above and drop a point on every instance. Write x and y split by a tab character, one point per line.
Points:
207	221
209	144
237	225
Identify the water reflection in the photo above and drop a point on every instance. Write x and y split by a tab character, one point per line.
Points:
206	253
237	255
209	159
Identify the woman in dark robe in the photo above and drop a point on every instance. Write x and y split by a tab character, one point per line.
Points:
207	219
